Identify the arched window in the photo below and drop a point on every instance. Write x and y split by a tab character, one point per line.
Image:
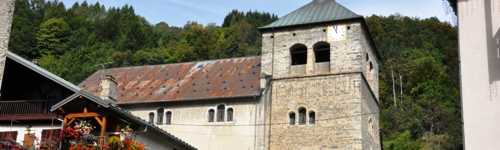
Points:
302	115
168	117
298	53
322	52
159	120
230	114
211	115
291	117
220	113
151	117
312	117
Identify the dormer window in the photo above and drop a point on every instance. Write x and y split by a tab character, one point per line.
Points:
298	54
322	52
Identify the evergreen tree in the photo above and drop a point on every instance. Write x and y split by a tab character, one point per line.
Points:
53	36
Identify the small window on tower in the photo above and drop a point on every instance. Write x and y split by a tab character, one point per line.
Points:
322	52
302	115
312	117
371	66
298	53
291	116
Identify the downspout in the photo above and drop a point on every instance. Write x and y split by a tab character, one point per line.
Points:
255	124
270	82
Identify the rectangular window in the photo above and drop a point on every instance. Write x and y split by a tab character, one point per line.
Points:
50	139
9	135
230	114
220	113
211	114
151	117
169	117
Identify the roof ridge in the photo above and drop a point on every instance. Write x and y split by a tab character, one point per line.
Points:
316	11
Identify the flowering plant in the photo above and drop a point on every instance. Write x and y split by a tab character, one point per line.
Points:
126	141
130	144
126	133
79	135
83	127
70	133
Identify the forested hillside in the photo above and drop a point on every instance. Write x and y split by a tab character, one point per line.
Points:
422	112
76	42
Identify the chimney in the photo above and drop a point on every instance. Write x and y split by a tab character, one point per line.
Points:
109	88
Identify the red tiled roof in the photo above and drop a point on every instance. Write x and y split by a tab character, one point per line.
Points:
224	78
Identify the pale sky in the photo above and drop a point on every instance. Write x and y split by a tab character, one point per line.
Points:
178	12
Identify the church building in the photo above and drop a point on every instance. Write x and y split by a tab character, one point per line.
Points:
315	86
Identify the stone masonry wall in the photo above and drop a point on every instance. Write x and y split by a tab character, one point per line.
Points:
346	43
338	95
349	47
370	119
6	12
337	104
370	74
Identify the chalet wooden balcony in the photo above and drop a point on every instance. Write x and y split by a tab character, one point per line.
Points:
26	110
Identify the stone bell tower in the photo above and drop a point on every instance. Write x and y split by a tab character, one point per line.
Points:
323	72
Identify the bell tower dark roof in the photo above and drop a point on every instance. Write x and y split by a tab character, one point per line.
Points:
317	11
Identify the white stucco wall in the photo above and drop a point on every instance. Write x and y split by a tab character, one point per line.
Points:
152	141
22	129
479	23
190	124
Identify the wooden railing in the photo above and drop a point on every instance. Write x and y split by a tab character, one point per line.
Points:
25	107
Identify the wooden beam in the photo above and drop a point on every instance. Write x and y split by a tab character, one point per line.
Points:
61	109
65	121
103	127
83	115
99	121
71	121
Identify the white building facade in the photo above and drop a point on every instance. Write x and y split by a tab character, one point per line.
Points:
479	34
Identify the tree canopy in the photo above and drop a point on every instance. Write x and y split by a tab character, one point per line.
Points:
424	113
76	41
